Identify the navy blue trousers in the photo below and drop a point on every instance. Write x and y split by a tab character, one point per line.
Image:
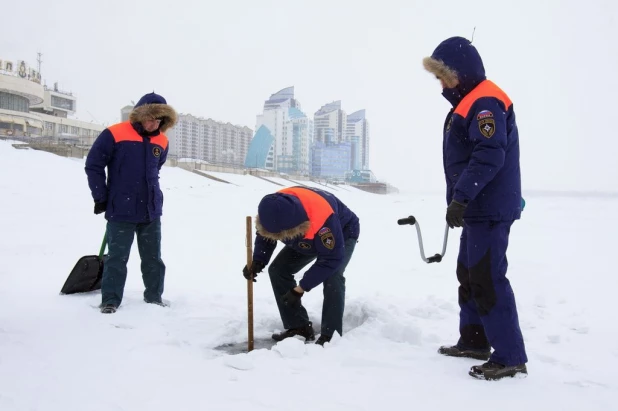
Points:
488	314
120	237
287	263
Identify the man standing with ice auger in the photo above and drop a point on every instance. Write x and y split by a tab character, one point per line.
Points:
481	165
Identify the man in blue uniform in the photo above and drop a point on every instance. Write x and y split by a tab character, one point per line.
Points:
133	152
481	166
313	225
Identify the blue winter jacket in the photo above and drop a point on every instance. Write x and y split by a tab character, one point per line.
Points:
480	136
283	217
133	158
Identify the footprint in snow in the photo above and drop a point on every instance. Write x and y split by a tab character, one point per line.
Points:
553	339
581	329
586	384
123	326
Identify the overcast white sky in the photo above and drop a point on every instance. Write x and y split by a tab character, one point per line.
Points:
558	61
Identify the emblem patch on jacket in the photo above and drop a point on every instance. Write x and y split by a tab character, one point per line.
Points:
487	126
156	151
328	240
304	246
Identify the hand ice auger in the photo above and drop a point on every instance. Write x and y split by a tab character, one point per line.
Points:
434	259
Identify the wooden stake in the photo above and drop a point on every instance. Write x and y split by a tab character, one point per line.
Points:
249	245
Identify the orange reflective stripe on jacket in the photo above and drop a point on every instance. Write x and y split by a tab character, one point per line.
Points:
125	132
486	89
317	208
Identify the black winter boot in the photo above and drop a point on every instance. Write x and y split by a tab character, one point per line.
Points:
455	351
306	331
323	339
161	303
493	371
108	309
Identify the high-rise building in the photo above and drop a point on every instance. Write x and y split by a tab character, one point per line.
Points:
355	153
209	140
337	134
330	123
357	132
329	146
296	147
287	130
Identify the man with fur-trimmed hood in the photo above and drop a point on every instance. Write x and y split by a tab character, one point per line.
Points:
481	166
133	152
314	225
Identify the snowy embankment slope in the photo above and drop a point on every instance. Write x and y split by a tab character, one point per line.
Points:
58	353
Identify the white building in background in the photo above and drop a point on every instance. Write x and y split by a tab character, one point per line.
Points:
208	140
288	133
357	132
30	109
274	117
296	158
330	123
341	142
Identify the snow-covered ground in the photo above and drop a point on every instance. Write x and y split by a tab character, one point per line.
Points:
58	353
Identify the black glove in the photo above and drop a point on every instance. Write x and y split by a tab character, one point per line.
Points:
454	214
256	267
291	298
100	207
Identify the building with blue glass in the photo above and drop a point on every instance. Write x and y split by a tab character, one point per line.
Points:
289	132
357	131
341	141
260	152
331	145
330	160
330	123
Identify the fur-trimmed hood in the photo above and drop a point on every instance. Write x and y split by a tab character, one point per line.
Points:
289	234
443	72
458	63
281	217
154	106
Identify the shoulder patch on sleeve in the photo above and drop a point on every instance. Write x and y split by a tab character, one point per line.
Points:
487	127
328	240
